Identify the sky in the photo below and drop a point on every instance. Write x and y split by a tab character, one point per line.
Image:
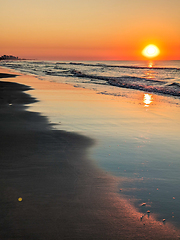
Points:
89	29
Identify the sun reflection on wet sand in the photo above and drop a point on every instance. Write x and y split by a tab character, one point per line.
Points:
147	100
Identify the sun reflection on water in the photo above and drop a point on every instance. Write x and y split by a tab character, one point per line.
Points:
150	64
150	73
147	100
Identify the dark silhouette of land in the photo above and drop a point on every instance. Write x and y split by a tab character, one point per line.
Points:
9	57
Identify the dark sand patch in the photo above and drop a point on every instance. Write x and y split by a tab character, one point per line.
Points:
7	75
63	195
13	93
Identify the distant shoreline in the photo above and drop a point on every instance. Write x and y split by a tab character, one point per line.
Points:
10	58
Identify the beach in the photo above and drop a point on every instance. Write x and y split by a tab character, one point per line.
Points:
50	186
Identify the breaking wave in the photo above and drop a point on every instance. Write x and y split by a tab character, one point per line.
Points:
142	84
162	79
122	66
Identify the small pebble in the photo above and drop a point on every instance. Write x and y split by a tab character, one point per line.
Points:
164	221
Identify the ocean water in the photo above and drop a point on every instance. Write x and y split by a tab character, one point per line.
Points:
161	77
140	145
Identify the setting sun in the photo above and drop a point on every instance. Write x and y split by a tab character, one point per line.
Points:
151	51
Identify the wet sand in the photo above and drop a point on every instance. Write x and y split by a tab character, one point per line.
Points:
51	189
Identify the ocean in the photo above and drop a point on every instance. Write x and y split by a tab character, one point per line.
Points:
140	145
162	77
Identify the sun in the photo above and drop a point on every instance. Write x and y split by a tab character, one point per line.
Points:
151	51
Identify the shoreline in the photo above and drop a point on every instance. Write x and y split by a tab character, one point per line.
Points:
63	194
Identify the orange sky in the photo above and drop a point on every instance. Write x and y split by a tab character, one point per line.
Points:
89	29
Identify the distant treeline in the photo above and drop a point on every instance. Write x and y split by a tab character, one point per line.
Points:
8	57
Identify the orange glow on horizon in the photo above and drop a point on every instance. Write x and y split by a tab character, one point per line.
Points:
89	30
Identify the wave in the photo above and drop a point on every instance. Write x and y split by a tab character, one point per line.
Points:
147	88
174	85
80	74
60	72
142	84
137	83
166	82
122	66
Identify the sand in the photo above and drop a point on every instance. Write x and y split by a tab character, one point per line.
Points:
51	189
